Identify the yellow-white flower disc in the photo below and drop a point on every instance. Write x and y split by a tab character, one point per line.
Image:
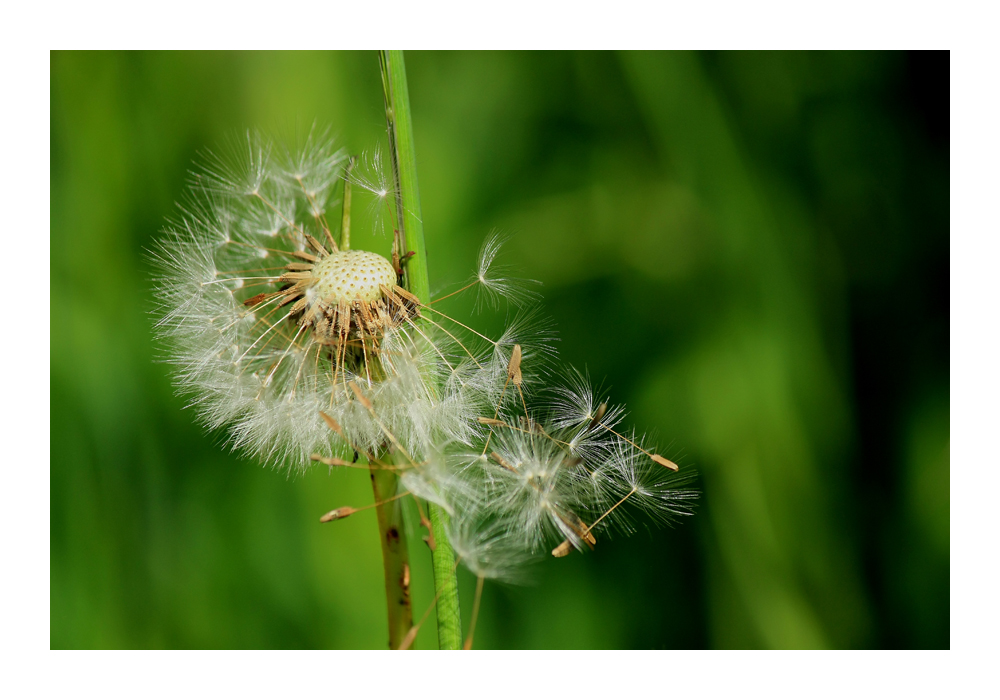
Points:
352	275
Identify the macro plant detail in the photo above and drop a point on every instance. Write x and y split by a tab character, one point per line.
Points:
310	351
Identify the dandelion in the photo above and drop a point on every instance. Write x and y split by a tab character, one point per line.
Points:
311	351
271	317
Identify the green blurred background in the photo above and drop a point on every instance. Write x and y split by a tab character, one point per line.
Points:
750	249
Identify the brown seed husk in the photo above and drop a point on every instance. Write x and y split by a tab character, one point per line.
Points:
344	318
290	295
295	276
601	410
499	460
331	461
338	514
361	397
406	295
563	549
317	246
514	367
334	425
579	527
665	462
257	298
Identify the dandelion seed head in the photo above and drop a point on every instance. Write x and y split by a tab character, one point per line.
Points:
268	322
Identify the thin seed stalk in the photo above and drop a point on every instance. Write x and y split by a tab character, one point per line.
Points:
411	232
395	555
345	226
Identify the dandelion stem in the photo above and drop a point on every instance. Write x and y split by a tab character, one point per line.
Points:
404	167
395	556
411	230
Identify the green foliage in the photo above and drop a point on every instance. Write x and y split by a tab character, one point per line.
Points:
752	250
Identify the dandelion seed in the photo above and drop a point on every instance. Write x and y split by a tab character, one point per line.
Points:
514	366
564	548
494	280
337	514
344	511
665	462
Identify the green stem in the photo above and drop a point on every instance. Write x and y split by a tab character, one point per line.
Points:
449	619
395	555
404	167
411	231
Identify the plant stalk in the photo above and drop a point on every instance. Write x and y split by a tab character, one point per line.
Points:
411	233
395	555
